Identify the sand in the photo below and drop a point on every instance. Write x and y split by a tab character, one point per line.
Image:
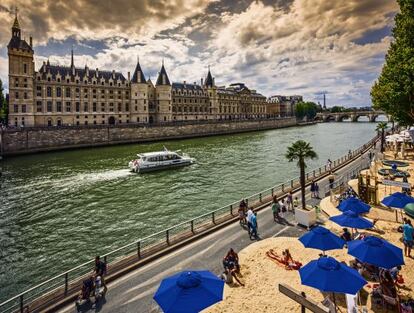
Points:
261	275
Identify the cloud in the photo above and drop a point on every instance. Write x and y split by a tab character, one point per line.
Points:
277	47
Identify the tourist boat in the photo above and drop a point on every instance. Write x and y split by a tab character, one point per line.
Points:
154	161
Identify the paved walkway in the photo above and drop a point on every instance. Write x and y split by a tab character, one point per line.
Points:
134	292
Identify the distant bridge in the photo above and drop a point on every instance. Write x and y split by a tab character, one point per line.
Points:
353	116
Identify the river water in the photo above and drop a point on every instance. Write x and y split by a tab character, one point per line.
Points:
59	209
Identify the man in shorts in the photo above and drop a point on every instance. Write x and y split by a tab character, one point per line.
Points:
408	233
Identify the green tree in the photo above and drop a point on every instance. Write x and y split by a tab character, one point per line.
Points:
301	151
381	127
336	109
308	109
393	92
3	106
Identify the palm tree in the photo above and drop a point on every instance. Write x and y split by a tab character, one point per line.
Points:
300	151
381	127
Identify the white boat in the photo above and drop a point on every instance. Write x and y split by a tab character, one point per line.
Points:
154	161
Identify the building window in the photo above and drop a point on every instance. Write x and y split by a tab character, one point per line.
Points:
59	106
25	95
25	68
49	91
77	106
49	106
39	106
126	107
85	107
58	92
16	108
22	121
68	107
94	107
17	95
86	122
59	122
67	92
23	108
49	122
119	107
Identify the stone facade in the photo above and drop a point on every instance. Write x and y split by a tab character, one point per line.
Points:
72	96
282	106
29	140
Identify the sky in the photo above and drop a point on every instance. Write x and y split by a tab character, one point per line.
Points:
279	47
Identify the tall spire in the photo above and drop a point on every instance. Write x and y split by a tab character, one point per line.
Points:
16	21
72	64
209	79
162	76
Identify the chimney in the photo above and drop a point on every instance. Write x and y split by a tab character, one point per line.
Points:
201	81
87	71
31	42
97	72
113	74
195	83
129	76
214	81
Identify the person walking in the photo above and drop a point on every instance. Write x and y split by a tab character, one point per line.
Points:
283	210
249	220
253	221
275	209
295	203
408	237
100	270
290	201
317	191
312	189
329	165
331	180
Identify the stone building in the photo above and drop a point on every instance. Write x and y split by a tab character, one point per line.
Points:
282	106
67	95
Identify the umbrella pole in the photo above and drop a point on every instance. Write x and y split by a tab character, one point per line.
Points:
334	301
396	216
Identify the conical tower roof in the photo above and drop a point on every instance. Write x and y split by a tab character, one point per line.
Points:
163	77
16	22
138	76
209	79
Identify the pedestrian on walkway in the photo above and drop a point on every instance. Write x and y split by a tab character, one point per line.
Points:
283	209
295	203
312	189
253	233
408	234
329	165
289	201
275	209
317	191
249	220
331	180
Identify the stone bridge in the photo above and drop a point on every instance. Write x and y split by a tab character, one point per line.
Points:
353	116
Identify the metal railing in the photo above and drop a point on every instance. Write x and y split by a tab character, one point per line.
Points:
66	283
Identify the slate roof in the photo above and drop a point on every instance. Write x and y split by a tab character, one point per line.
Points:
138	73
18	43
186	86
160	80
81	72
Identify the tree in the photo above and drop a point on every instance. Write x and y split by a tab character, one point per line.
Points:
3	106
381	127
301	151
393	92
308	109
336	109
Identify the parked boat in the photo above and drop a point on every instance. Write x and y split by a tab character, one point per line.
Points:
154	161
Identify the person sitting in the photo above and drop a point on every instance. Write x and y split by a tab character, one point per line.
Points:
346	235
231	260
387	284
228	275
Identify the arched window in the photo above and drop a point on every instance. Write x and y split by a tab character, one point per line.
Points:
49	91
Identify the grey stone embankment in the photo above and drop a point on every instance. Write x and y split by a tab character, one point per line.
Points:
30	140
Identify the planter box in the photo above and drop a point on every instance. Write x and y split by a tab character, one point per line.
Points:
305	218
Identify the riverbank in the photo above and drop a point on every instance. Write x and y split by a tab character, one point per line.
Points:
32	140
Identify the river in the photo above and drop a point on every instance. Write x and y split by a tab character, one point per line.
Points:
59	209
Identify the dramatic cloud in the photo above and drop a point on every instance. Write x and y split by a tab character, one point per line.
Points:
277	47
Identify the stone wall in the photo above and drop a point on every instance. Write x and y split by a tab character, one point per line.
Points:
29	140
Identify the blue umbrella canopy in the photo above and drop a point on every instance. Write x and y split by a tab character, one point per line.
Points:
376	251
351	219
189	292
397	200
322	239
327	274
354	205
